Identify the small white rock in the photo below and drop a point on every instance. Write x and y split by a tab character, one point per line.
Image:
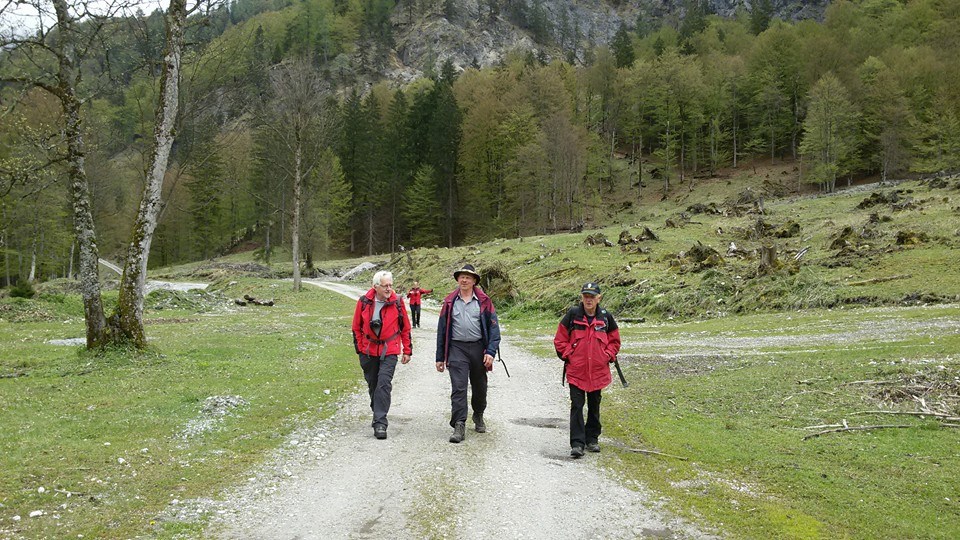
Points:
121	461
144	450
41	489
106	444
36	513
327	391
16	518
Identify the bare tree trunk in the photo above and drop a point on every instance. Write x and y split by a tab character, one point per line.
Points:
32	276
450	186
370	231
266	245
73	245
89	271
295	229
6	257
129	315
736	125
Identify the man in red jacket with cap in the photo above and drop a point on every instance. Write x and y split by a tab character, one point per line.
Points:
588	341
381	332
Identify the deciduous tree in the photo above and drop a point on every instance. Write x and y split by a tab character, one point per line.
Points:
829	133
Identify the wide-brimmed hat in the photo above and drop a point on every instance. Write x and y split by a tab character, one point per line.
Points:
591	288
466	269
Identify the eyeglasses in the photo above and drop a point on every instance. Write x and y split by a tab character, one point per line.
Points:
386	286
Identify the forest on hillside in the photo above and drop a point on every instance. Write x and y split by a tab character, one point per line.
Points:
273	91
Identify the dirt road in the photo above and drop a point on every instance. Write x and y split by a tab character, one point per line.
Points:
516	481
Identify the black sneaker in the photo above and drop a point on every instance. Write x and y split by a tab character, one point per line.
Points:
576	452
593	447
478	423
459	432
380	432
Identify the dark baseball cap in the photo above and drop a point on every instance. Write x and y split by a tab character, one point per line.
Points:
591	288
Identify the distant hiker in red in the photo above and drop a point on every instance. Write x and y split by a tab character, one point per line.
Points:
587	341
468	337
381	332
414	298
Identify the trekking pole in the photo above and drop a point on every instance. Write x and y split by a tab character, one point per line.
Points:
620	373
500	359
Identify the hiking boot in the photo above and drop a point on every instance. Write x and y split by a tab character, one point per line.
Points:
478	423
459	432
593	447
576	452
380	432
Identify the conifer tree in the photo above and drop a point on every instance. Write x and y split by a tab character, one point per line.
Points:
622	46
421	209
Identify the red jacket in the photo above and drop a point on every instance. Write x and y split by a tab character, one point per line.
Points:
589	347
394	332
415	293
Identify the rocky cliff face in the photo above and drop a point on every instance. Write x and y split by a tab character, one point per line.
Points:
471	35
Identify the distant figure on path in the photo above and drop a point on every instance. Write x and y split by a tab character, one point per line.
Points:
414	298
587	340
468	337
381	331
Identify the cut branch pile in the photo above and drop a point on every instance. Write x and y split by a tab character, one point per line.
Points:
935	395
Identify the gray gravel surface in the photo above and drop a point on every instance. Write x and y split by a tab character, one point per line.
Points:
335	480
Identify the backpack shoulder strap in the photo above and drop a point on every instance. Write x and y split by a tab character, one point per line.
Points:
572	315
400	313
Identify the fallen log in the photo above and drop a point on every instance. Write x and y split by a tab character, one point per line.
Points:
879	280
249	299
944	416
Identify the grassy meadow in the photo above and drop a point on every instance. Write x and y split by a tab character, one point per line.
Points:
737	396
102	443
731	367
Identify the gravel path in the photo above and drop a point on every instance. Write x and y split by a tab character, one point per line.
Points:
516	481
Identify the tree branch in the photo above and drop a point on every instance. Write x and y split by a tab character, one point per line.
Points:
856	428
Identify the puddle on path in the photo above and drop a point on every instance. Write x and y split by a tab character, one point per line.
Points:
657	533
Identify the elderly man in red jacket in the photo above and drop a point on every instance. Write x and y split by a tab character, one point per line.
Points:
381	332
587	340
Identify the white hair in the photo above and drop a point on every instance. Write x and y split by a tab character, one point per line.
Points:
378	277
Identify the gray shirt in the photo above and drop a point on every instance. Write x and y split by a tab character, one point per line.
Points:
465	322
377	307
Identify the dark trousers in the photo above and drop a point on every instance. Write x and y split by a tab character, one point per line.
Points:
415	315
465	362
581	434
379	376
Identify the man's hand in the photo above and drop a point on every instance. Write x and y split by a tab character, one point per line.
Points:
440	366
487	361
404	359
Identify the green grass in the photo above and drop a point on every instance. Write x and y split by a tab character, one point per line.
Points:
68	417
738	405
657	283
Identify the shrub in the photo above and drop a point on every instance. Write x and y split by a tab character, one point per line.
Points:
23	289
